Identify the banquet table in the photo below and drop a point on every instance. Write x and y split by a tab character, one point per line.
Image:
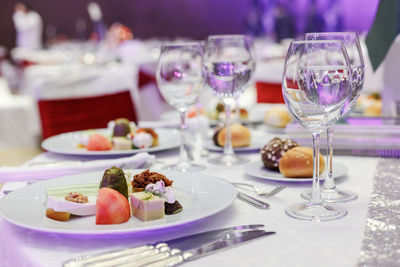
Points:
296	243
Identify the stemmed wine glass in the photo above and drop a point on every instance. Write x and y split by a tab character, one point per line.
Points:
329	192
179	78
316	85
228	65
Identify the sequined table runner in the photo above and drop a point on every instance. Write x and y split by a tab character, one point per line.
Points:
381	244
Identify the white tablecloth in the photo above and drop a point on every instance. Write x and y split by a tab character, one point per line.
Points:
297	243
19	125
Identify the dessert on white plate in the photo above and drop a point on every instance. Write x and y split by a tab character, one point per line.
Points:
147	206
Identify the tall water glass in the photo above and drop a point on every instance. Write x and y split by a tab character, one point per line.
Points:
228	65
180	80
316	85
329	192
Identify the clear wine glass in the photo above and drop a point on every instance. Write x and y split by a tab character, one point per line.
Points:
228	65
329	192
179	78
316	85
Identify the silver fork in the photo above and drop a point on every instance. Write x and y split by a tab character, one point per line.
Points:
261	193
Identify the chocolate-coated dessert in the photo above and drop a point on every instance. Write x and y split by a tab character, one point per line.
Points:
272	152
172	208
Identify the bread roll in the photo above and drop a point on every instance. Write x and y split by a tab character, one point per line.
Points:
240	136
298	163
215	135
277	118
374	109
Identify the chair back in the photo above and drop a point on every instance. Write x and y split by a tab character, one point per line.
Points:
73	114
269	92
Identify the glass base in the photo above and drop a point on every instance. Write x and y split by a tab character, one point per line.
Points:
332	195
228	160
185	167
316	212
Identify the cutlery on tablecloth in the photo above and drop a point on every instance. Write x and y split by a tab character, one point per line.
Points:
252	201
175	251
261	193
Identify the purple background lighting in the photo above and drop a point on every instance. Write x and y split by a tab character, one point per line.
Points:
175	18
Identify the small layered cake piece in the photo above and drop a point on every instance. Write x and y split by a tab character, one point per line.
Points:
121	143
147	206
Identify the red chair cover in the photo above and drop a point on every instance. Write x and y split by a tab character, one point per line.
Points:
65	115
269	92
145	78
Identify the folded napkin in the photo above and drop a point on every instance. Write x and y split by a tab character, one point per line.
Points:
43	170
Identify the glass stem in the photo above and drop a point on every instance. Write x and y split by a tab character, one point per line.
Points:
316	193
183	153
236	115
228	150
329	183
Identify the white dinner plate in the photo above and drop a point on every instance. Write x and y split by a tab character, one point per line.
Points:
200	196
254	118
258	140
250	120
257	169
67	143
274	130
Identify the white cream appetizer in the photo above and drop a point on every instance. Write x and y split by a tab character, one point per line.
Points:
142	140
76	199
147	206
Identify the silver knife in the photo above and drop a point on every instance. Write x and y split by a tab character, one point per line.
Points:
186	242
252	201
176	256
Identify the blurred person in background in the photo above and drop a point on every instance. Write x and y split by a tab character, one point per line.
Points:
28	25
99	27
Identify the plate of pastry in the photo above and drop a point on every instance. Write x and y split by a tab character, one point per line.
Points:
120	138
282	159
246	116
258	170
116	201
242	139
